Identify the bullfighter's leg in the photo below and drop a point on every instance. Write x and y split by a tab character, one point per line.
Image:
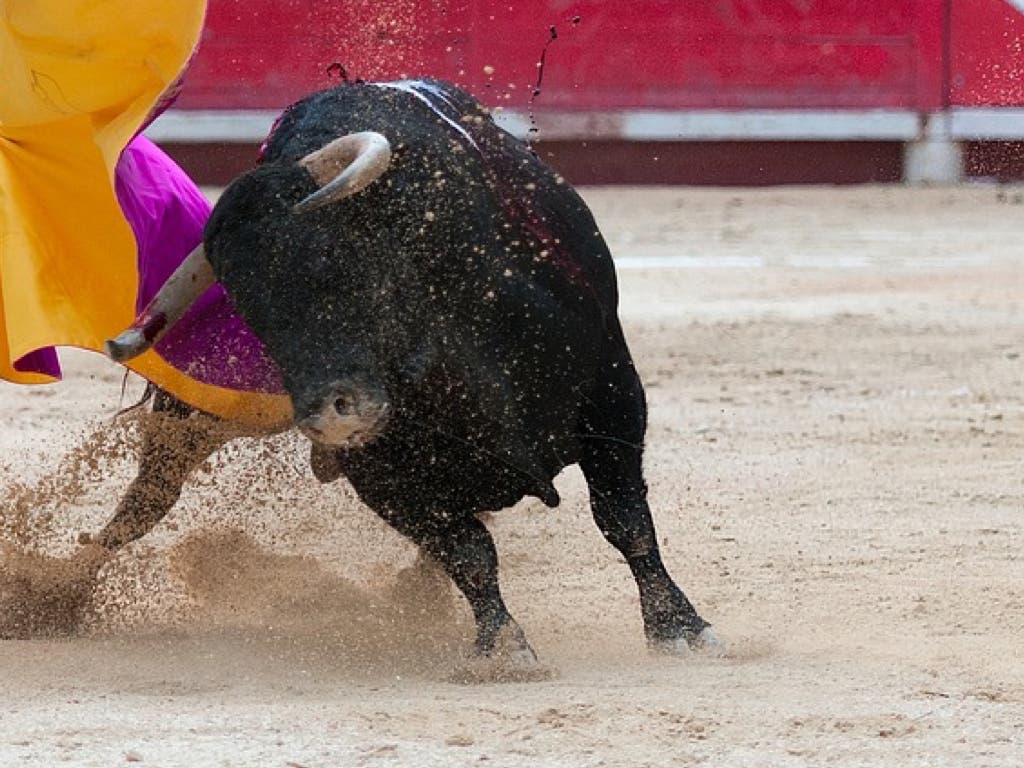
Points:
613	426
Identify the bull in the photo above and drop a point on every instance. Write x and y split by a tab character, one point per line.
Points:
443	312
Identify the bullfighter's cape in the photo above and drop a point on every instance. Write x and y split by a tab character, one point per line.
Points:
94	217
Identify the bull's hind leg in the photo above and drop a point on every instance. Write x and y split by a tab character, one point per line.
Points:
613	427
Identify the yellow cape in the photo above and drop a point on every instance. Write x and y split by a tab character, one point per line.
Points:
78	78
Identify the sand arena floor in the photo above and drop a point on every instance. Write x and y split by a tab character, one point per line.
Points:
835	455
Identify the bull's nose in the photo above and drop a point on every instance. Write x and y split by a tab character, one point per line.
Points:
344	416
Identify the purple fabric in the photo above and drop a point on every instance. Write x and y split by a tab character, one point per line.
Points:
167	213
40	361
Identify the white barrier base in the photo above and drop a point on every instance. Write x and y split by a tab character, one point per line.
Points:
932	153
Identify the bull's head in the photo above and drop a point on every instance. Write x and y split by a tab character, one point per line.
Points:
345	411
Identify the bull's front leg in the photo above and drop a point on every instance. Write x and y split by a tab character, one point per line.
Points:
465	549
41	596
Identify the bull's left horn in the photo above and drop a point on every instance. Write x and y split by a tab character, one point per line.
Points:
344	167
188	282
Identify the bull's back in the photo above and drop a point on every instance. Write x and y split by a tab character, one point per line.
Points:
443	136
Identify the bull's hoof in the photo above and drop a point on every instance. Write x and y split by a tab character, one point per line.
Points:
705	642
43	596
510	660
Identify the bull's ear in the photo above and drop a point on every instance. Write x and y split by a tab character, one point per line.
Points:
345	167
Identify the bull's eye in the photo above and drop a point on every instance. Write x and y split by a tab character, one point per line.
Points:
341	405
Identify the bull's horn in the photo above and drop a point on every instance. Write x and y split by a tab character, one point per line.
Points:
344	167
188	282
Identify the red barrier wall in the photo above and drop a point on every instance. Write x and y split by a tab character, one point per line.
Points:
672	54
683	54
987	53
836	58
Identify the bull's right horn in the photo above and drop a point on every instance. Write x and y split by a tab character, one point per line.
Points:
188	282
344	167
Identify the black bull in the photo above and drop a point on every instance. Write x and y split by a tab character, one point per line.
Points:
447	332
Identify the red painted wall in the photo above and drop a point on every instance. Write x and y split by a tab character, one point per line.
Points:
673	54
268	53
987	53
721	54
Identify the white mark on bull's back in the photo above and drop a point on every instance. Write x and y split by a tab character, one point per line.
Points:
424	91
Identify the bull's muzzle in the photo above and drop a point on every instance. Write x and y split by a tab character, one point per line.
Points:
347	416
